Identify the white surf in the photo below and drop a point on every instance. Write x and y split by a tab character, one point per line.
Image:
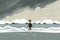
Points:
23	29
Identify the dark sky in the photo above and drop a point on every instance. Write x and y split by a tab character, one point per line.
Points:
9	6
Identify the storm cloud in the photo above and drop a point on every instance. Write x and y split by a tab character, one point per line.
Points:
9	6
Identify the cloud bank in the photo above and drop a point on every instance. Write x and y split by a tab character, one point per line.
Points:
7	7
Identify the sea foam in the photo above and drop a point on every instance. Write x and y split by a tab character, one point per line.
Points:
24	29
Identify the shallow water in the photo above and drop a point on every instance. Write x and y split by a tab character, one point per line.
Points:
49	28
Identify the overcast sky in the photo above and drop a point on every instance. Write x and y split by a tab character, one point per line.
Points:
30	9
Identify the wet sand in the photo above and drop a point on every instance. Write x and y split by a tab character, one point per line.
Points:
29	36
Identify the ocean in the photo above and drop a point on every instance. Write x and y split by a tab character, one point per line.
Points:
49	28
34	25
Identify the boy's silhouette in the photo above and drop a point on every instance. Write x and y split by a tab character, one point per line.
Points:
29	24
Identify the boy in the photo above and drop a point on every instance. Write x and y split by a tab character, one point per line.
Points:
29	24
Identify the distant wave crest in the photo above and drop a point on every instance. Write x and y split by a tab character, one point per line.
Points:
23	21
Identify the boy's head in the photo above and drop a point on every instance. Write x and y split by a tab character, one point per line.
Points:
29	20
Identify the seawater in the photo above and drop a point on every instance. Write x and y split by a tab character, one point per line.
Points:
46	28
34	25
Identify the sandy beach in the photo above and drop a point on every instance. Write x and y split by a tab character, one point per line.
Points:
29	36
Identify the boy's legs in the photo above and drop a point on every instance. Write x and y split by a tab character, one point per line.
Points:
29	28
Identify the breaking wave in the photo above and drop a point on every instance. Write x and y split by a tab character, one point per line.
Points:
24	29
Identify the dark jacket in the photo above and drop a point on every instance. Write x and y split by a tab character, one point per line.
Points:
29	24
